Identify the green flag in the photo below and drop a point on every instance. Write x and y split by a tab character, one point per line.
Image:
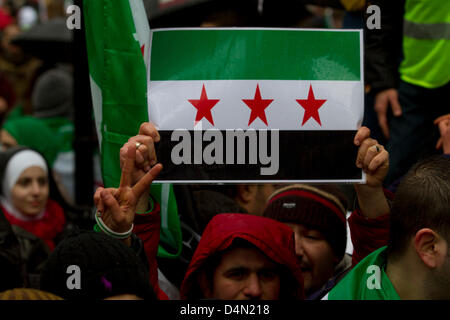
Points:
366	281
117	39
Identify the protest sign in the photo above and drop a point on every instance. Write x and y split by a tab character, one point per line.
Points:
256	105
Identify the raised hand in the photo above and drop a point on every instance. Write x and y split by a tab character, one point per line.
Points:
443	124
118	206
372	158
143	145
383	100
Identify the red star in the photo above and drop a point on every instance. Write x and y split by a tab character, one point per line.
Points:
257	105
311	106
204	106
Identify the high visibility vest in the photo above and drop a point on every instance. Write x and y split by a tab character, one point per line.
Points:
426	43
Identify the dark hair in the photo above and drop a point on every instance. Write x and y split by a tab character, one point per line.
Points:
422	201
107	267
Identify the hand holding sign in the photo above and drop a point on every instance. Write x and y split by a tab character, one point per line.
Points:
143	144
374	160
118	206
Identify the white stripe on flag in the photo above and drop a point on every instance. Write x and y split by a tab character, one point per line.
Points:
170	109
97	105
164	205
165	194
142	27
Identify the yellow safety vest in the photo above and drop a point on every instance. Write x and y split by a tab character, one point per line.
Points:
426	43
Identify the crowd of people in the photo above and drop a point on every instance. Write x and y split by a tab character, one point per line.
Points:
244	241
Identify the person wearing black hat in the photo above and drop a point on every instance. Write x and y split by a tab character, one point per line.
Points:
318	219
317	215
92	265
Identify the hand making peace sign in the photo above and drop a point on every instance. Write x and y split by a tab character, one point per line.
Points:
118	205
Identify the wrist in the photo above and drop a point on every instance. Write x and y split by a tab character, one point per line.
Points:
365	188
142	204
102	227
371	201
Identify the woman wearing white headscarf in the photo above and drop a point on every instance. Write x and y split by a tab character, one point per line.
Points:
25	194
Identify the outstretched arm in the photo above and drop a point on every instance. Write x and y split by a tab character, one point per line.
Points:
119	206
369	225
374	160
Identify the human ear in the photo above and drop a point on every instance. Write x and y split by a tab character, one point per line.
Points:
430	247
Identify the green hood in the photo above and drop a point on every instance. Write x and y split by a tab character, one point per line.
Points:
34	133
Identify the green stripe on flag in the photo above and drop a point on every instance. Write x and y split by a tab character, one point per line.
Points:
117	67
212	54
118	70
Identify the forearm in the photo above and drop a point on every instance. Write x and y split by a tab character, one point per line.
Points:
371	201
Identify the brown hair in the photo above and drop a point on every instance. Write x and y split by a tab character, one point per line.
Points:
422	201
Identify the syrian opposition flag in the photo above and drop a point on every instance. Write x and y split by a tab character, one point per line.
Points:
118	38
236	105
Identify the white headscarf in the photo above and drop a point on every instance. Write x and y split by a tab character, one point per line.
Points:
17	164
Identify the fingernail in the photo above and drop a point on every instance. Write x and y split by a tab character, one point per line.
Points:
357	142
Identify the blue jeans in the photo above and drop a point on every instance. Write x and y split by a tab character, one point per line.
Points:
413	135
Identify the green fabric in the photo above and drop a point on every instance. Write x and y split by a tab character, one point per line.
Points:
117	68
427	11
170	222
64	129
426	62
355	285
15	112
269	55
34	133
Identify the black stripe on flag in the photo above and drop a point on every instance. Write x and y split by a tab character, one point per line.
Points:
303	156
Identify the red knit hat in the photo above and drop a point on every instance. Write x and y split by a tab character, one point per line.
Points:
322	208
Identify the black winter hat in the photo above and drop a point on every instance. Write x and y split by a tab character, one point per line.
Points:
106	266
322	208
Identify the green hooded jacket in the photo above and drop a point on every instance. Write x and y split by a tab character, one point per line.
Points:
34	133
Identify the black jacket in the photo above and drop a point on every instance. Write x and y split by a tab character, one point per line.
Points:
383	47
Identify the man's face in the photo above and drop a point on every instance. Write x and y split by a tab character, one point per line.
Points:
317	259
244	274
